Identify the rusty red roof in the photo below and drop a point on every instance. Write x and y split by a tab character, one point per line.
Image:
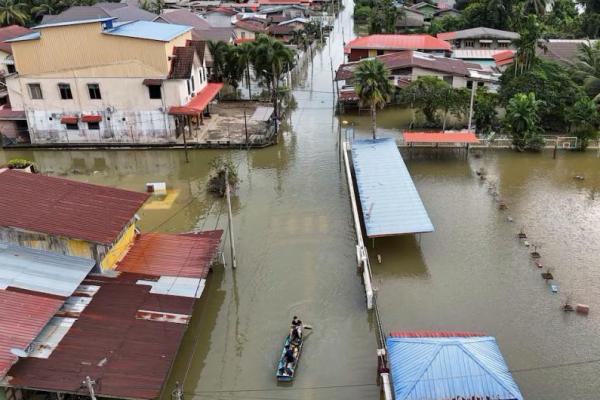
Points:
197	104
64	207
440	137
24	314
398	42
11	32
8	113
128	356
409	59
162	254
504	57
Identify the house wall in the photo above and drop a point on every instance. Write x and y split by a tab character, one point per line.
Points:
105	256
462	44
218	20
3	68
84	45
457	81
243	33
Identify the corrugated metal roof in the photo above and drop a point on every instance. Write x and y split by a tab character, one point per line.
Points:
23	315
11	32
479	33
440	137
398	42
262	114
64	207
128	356
41	271
161	254
197	104
149	30
390	202
475	54
449	367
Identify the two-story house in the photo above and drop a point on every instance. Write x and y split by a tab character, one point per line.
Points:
98	81
479	45
377	45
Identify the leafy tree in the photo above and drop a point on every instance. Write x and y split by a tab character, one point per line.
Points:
245	51
583	119
271	60
453	101
373	87
13	12
530	34
587	69
447	23
563	20
485	111
551	84
522	120
424	94
362	14
232	73
154	6
488	13
383	17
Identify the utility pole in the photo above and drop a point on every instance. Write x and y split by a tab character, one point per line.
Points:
246	129
231	241
473	88
90	385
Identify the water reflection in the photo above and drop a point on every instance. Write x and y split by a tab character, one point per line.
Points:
401	257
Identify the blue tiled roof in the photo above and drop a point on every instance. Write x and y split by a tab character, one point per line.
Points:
148	30
449	367
390	202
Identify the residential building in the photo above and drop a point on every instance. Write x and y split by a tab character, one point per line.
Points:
7	65
250	27
118	87
286	30
284	12
202	30
479	45
376	45
409	19
220	17
62	322
446	12
266	3
119	11
426	8
68	217
563	51
407	66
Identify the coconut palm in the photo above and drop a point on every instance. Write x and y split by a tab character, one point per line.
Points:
271	59
245	51
530	34
587	69
13	12
218	51
373	87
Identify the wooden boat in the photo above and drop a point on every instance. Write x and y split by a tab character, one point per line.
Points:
286	370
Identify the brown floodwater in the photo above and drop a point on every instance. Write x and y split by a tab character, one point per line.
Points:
296	255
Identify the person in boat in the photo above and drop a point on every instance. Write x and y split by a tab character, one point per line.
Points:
296	335
295	321
289	354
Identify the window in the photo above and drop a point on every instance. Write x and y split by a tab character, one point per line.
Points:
469	43
65	91
502	45
380	52
35	91
72	127
193	83
154	91
11	68
448	79
243	34
94	91
94	125
188	87
485	45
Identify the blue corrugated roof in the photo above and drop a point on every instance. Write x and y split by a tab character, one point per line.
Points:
390	202
449	367
41	271
149	30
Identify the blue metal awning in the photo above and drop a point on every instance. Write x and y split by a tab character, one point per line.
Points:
448	368
390	202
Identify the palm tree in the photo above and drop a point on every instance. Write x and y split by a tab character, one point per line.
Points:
218	51
587	69
373	87
530	34
13	12
245	51
271	60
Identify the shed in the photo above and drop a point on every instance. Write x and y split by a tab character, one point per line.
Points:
448	365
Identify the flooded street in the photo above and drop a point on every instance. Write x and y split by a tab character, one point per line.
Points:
296	255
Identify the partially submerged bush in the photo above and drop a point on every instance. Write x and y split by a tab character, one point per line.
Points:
216	184
21	163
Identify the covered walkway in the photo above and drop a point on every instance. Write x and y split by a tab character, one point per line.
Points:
389	199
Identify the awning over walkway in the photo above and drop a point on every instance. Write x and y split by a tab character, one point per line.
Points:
448	366
390	202
440	137
199	102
